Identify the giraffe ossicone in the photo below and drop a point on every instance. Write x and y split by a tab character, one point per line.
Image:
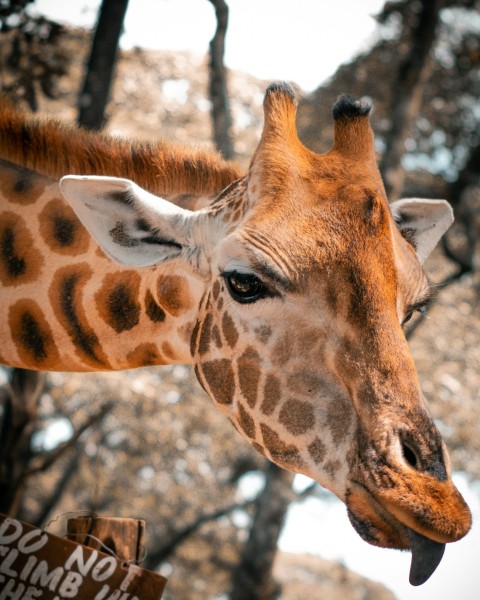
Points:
287	292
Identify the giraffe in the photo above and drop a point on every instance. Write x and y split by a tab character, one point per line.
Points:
288	293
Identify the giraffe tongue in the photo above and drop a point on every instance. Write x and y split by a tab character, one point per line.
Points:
426	556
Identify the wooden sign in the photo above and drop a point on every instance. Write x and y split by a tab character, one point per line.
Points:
36	564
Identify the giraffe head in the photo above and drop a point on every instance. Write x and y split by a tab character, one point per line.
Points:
307	276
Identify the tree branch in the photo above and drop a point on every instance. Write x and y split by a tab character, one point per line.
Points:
153	559
467	177
51	457
55	497
412	75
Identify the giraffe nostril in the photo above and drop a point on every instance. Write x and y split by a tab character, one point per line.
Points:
423	452
410	456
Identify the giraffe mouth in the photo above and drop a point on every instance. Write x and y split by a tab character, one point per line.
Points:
379	527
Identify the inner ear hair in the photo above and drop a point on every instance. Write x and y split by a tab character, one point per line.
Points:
408	234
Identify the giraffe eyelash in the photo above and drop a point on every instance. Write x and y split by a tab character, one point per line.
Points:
421	306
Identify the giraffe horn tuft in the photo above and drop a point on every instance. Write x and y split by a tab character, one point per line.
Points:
353	135
280	111
346	107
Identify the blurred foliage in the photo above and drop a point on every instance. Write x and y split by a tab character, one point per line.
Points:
31	57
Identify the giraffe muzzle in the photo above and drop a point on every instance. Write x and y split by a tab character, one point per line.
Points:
380	528
394	516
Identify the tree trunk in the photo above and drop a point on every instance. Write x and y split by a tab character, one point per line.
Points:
95	92
413	72
19	402
221	116
464	217
252	578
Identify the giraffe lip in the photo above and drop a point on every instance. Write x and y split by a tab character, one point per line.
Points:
426	553
426	556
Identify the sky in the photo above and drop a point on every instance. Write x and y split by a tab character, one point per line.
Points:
303	41
297	40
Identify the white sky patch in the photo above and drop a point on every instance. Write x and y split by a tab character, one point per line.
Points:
250	485
56	432
302	41
176	90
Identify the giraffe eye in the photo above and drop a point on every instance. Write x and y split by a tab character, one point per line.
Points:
421	308
244	287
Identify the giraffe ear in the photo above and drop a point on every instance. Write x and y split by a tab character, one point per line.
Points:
422	222
132	226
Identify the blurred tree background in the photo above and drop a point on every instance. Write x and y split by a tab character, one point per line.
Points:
146	443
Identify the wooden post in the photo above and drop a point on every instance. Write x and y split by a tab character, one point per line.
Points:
122	537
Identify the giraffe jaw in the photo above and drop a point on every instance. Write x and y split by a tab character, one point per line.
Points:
378	526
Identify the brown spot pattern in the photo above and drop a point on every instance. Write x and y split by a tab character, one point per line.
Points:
169	351
20	261
286	454
229	330
263	333
304	383
174	294
117	300
194	338
216	290
21	186
297	416
258	448
317	450
331	467
205	335
219	376
271	394
32	335
340	417
61	230
311	338
249	375
282	350
144	355
246	422
216	336
66	296
155	313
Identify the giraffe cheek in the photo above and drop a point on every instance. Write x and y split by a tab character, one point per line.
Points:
217	379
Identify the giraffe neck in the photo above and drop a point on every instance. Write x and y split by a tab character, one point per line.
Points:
166	169
65	306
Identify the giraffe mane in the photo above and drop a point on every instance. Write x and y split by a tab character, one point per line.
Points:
55	149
